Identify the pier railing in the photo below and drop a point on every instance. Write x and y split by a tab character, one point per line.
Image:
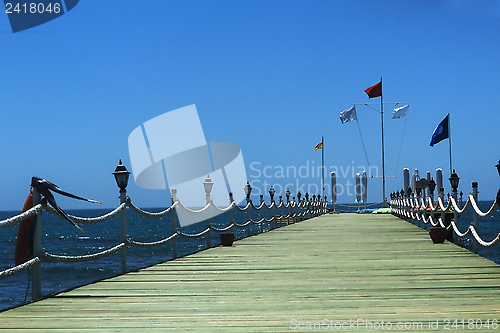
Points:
280	213
445	213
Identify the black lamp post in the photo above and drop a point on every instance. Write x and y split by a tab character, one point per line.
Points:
271	193
121	176
248	191
498	167
299	195
432	187
287	194
454	180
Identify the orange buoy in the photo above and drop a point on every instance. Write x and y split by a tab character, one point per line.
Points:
24	241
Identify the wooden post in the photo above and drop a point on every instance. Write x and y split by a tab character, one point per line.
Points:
37	250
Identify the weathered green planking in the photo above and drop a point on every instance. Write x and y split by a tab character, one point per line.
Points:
331	270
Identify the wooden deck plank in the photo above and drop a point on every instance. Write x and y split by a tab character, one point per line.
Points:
334	267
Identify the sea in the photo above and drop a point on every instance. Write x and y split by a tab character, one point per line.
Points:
60	237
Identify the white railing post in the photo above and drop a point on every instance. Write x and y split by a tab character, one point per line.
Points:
208	234
475	220
249	218
174	224
231	202
37	249
441	195
261	213
455	216
281	210
123	232
431	196
208	184
273	218
121	175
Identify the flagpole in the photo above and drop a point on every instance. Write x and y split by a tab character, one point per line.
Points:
449	142
383	148
323	168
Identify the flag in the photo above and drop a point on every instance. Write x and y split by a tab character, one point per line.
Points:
319	145
442	131
348	115
375	90
401	112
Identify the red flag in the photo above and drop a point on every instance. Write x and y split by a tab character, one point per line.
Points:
374	91
319	145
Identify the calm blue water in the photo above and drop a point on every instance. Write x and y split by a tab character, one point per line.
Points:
60	237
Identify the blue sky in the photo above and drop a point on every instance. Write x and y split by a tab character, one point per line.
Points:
270	76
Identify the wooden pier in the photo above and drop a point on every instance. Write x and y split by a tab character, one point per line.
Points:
335	272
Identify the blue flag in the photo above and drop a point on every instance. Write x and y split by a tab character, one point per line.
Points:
442	131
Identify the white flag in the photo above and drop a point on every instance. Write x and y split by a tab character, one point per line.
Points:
348	115
401	112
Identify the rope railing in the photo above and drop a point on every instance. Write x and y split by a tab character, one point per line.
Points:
424	209
19	268
18	218
280	213
207	230
488	212
130	205
152	244
89	220
360	205
88	257
242	225
223	229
